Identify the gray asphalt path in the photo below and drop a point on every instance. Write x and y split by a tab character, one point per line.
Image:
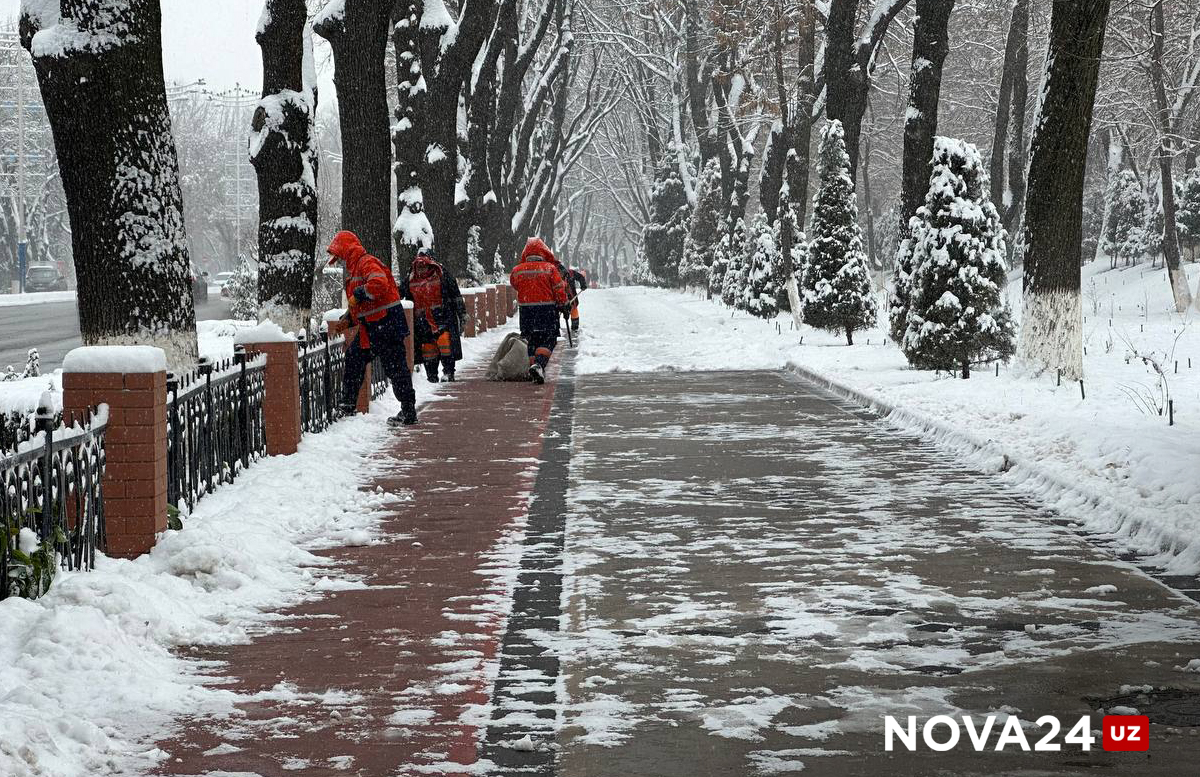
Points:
754	573
53	328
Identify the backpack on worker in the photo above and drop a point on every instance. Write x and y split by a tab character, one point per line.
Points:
511	361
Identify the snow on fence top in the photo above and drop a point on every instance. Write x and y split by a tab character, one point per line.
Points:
474	290
122	359
266	332
334	315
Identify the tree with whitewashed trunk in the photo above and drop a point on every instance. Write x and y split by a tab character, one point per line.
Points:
120	171
1052	324
835	286
284	156
956	312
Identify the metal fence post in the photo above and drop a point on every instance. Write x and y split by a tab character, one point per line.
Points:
45	424
205	369
173	439
239	358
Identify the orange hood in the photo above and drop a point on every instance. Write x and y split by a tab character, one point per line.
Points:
536	248
346	247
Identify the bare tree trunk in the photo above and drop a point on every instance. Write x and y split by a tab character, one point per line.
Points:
849	60
799	161
1052	329
1012	80
412	230
1012	206
1170	238
107	107
358	36
285	160
446	68
930	47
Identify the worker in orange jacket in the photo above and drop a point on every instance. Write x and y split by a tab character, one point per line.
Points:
542	296
376	309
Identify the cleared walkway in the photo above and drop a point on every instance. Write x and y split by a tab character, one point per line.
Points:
757	573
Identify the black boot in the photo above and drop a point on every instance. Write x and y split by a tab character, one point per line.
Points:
431	372
537	374
406	417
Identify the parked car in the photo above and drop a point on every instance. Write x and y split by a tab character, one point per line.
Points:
45	278
199	285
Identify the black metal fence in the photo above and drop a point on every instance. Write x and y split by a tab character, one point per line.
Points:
322	363
379	379
51	468
214	425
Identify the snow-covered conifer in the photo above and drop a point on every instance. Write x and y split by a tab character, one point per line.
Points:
761	294
1187	217
737	270
836	283
1125	228
663	236
957	314
242	290
704	228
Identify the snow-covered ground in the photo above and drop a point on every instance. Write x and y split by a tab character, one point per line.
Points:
34	298
91	671
1109	460
22	396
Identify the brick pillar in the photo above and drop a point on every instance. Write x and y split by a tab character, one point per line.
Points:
478	309
410	343
492	306
364	394
469	302
510	298
281	400
135	446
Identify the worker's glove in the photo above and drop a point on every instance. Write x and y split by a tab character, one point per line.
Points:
361	295
347	320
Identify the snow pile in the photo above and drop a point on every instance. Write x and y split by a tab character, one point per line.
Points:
1110	460
266	332
93	674
123	359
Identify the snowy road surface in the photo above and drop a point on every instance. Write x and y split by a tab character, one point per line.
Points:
53	328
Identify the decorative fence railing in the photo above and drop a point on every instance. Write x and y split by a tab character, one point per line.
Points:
379	379
322	362
50	485
214	425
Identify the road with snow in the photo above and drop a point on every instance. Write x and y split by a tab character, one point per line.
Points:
53	328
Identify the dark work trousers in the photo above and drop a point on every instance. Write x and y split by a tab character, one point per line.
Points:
539	327
387	340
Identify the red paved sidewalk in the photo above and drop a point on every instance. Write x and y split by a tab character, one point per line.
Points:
424	634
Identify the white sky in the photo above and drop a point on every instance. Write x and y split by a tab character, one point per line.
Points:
209	39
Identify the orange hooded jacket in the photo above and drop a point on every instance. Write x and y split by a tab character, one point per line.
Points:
537	279
366	272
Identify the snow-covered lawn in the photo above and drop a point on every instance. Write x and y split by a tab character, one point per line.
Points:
1108	460
90	670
